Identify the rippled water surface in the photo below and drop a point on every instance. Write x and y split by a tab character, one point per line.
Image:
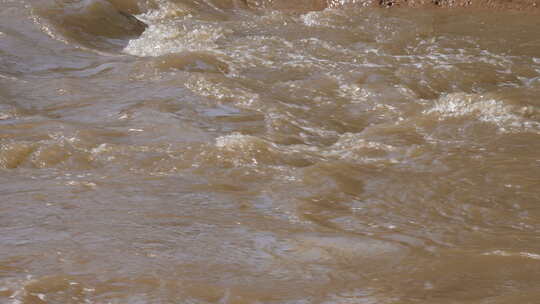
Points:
267	152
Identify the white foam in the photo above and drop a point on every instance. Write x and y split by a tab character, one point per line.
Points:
166	10
207	88
353	147
233	141
504	253
243	150
160	39
338	3
483	108
172	29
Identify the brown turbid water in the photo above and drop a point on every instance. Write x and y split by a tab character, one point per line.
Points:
210	151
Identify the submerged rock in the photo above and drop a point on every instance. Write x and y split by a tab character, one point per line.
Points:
95	24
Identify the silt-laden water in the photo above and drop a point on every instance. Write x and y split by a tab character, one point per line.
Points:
214	151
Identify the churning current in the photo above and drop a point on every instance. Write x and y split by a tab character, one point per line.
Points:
207	151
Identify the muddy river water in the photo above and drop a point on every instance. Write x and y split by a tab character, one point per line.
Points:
211	151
